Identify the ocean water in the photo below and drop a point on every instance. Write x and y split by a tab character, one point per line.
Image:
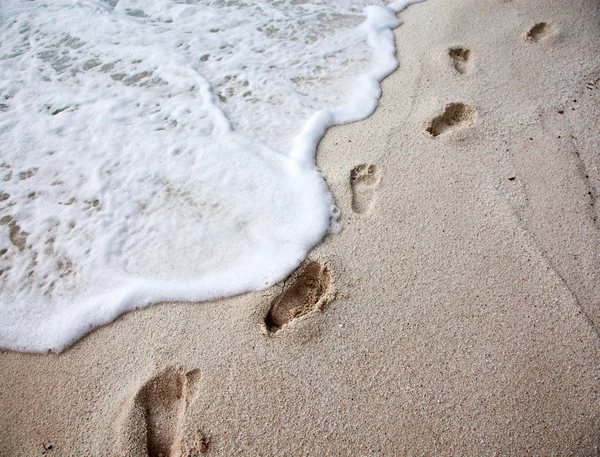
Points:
164	150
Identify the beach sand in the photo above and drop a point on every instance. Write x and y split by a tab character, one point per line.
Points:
458	308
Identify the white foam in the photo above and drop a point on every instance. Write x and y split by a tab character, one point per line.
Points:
165	150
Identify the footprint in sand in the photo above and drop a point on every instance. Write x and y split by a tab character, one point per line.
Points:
461	59
308	289
364	180
152	422
456	115
539	32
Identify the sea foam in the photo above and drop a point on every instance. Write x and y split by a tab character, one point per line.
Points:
164	150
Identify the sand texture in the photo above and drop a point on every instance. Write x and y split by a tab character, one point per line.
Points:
457	313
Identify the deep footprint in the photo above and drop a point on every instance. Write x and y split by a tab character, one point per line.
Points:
461	59
153	421
308	289
364	180
455	115
539	32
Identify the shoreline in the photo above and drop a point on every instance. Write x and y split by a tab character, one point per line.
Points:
465	316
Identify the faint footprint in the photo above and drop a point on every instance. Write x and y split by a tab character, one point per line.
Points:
151	423
364	179
461	59
539	32
454	116
308	289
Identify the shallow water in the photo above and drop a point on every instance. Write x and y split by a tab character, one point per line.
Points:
165	150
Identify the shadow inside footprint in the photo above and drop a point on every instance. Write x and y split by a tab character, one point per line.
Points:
364	179
306	290
152	422
455	115
539	32
461	59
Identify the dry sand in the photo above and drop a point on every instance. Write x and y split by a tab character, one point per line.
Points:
467	314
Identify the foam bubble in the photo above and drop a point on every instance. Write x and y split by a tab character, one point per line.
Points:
165	150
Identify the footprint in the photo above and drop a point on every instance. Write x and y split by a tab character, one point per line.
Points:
17	236
364	179
308	289
151	423
539	32
461	59
455	115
